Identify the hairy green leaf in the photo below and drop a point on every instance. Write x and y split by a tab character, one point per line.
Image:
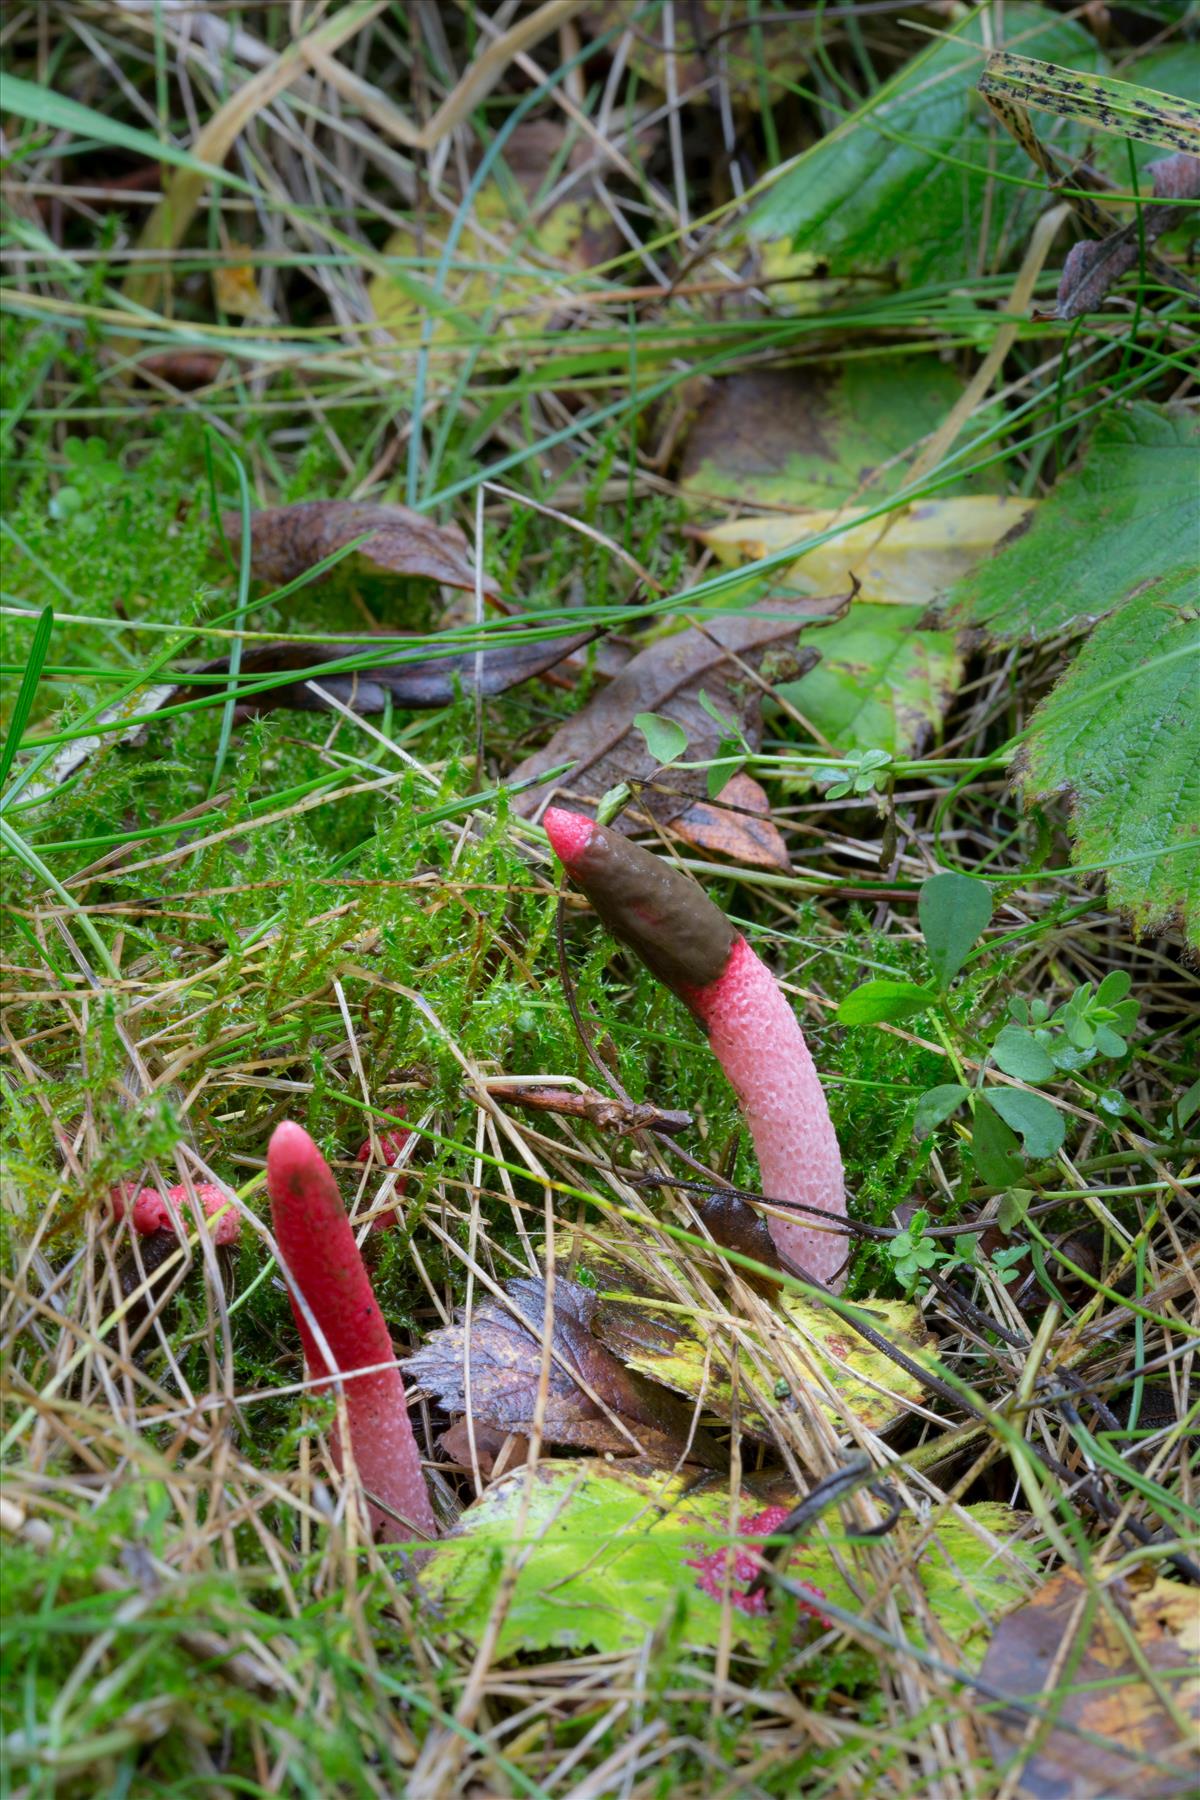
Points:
1120	738
1018	1053
1039	1125
1123	524
936	1106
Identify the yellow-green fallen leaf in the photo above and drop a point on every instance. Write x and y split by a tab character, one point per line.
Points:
906	560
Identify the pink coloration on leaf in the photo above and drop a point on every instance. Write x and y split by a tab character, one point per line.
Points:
746	1564
322	1260
149	1210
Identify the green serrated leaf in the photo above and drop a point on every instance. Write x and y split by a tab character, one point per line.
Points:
1123	524
914	180
1040	1125
936	1106
665	738
1120	736
994	1146
953	910
1018	1053
876	1001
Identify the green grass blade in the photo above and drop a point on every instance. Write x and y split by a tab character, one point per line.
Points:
29	686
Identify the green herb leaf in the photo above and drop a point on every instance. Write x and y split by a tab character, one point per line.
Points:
995	1147
936	1106
1040	1125
1013	1207
876	1001
953	909
666	740
1018	1053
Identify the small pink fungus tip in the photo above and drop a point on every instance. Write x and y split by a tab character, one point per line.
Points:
746	1563
570	833
149	1211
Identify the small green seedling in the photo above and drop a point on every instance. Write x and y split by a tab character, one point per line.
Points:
1009	1125
860	772
90	468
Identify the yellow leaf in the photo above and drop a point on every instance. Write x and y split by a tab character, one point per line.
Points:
906	560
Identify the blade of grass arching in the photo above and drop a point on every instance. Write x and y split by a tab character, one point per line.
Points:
243	600
1103	104
58	112
33	862
29	685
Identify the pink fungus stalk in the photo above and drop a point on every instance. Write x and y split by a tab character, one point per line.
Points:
321	1260
150	1212
690	945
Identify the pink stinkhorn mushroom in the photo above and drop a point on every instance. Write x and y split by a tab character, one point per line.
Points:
689	944
149	1212
321	1260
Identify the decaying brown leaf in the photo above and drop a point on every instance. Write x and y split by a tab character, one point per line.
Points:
1107	1694
1094	266
505	1348
735	825
667	678
286	541
407	672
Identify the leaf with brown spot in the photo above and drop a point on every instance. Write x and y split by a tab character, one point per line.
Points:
1106	1694
667	678
505	1349
287	541
745	835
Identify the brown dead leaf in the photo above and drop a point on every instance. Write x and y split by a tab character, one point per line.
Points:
1107	1695
505	1371
407	672
1093	267
757	55
183	369
745	835
286	541
667	678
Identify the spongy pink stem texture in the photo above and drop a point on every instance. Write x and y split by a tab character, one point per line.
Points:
756	1039
321	1257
